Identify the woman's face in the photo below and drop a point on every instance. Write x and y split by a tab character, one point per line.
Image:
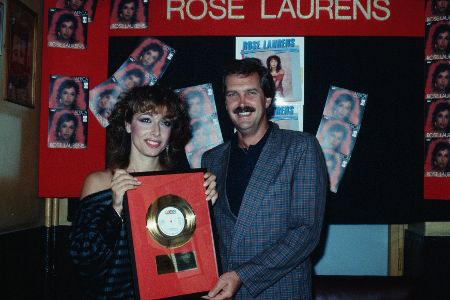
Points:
66	30
195	107
149	57
130	82
273	63
441	6
442	81
75	4
104	101
441	160
334	139
150	133
127	12
68	96
442	41
66	131
442	119
342	110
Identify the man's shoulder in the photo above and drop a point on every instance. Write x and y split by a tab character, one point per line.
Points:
217	149
293	134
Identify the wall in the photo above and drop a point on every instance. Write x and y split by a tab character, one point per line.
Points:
353	250
20	208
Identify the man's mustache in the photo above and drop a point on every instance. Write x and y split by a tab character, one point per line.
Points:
244	109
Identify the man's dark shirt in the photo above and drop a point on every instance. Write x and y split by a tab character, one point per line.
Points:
240	168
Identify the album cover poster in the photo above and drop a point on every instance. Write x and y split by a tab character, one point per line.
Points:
437	122
206	132
437	158
345	105
67	128
437	83
78	5
437	40
437	10
67	29
68	92
284	57
154	55
129	14
102	99
336	164
131	74
337	139
288	115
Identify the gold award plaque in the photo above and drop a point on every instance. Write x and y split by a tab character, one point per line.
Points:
170	221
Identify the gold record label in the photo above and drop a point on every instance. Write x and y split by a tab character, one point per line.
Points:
170	221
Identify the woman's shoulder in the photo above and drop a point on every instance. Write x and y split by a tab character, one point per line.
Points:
96	182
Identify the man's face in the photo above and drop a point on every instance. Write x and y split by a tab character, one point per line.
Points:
68	96
246	104
66	30
66	131
441	160
128	11
442	41
442	119
442	80
342	110
150	57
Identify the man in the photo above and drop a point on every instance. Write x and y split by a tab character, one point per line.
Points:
272	187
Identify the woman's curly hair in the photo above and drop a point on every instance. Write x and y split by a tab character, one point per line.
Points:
155	99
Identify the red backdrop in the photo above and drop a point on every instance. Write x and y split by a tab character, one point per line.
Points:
61	171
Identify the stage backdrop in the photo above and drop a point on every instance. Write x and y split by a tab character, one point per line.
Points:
372	46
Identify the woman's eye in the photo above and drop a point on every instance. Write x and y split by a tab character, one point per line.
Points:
145	120
167	123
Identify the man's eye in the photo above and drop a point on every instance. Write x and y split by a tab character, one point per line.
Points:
230	94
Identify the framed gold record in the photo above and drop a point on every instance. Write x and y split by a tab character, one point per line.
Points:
171	221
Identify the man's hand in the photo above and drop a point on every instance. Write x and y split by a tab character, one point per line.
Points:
225	288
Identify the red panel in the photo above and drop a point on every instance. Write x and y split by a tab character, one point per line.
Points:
61	171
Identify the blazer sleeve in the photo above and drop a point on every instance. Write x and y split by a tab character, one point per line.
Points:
308	194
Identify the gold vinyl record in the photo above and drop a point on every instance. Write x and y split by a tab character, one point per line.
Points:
170	221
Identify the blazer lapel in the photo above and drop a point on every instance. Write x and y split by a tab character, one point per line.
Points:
255	192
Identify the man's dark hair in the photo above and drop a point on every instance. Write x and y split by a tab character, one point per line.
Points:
67	18
248	66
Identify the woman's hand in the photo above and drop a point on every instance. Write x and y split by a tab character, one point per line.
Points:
210	185
121	182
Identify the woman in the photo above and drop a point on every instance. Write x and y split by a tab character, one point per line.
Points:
274	65
127	12
67	94
440	118
66	28
148	130
66	130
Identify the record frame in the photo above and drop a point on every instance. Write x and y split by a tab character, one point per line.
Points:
179	269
